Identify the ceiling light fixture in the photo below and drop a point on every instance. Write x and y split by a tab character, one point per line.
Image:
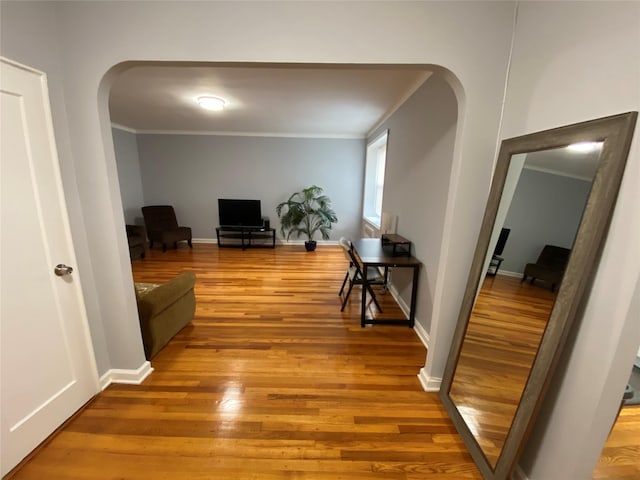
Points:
211	103
584	147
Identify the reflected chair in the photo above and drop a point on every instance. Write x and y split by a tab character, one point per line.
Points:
162	226
549	267
496	259
354	275
137	239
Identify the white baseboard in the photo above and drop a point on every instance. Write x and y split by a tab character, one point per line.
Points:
118	375
278	241
506	273
301	242
399	300
429	384
423	335
204	240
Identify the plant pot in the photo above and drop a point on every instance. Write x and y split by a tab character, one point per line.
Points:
310	245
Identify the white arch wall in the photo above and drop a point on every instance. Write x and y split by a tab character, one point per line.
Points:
472	40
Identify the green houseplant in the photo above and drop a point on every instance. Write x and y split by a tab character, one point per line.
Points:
306	213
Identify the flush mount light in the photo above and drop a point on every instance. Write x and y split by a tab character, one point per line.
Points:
584	147
211	103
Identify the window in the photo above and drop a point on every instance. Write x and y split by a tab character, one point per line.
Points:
374	178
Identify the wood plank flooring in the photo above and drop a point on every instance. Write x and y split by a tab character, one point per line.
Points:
270	381
502	339
620	457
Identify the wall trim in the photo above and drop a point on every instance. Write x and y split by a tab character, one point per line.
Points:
507	273
279	241
422	334
429	384
559	172
117	126
340	136
204	240
118	375
401	303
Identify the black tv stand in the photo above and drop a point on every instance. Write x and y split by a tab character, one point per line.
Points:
265	237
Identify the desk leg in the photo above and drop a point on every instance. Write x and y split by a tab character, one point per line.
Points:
363	311
414	295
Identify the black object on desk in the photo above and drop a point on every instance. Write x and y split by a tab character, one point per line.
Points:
398	245
371	253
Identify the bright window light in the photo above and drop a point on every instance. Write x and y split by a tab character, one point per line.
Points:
374	179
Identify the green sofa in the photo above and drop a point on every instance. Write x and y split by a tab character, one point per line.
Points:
164	310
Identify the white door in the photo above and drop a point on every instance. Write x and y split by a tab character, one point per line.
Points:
47	362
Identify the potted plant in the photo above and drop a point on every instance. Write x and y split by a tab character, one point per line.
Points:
306	213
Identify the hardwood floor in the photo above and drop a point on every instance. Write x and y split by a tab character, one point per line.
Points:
502	339
620	457
488	402
270	381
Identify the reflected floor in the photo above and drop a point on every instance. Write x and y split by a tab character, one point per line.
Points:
500	345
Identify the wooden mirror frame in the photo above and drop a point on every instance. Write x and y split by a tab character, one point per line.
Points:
616	132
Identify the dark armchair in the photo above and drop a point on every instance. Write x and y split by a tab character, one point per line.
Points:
162	226
549	267
137	238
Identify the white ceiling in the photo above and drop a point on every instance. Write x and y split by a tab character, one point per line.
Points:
271	100
562	161
346	101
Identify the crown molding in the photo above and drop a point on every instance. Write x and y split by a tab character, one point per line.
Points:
117	126
560	173
339	136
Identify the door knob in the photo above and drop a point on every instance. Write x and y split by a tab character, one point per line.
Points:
61	270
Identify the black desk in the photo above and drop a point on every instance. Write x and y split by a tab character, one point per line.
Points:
370	253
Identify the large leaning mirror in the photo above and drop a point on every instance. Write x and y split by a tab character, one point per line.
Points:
551	200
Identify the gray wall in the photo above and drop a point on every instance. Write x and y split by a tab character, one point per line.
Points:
418	168
192	171
126	149
545	210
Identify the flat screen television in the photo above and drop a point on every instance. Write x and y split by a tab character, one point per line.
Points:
239	213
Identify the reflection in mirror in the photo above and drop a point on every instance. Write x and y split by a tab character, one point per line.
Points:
541	206
523	295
